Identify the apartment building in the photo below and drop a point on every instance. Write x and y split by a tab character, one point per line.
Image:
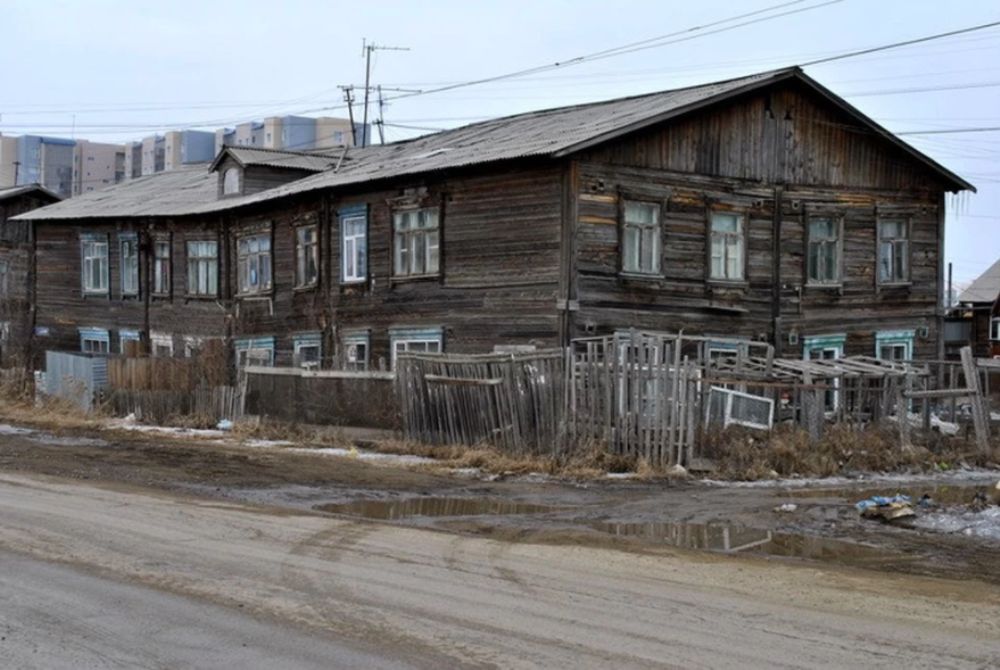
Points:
96	165
8	161
153	154
184	147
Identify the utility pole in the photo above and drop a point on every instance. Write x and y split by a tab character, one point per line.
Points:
381	119
349	99
368	49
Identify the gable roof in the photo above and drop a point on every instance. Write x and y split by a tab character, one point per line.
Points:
26	189
985	288
292	160
550	133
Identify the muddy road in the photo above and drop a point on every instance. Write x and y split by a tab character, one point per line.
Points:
448	600
631	516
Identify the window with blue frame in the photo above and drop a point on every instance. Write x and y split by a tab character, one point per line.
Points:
125	336
307	350
254	351
357	346
826	348
894	345
95	340
354	244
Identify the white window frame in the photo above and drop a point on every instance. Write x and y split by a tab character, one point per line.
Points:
903	338
416	245
128	249
404	340
820	274
252	264
642	244
733	248
304	250
995	329
826	344
231	181
255	351
354	247
304	344
94	264
161	345
162	265
202	267
897	248
127	336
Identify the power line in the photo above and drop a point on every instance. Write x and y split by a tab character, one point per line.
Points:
896	45
949	131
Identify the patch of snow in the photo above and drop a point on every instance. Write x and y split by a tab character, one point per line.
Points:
621	475
371	456
266	443
964	475
7	429
985	524
130	424
466	472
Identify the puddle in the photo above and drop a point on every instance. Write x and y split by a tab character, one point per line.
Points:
436	507
732	539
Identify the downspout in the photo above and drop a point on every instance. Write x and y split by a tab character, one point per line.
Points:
567	301
776	270
147	288
939	308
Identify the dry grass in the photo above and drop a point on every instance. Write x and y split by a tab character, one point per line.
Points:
304	434
745	454
49	413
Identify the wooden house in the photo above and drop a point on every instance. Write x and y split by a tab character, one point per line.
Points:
979	310
16	268
763	207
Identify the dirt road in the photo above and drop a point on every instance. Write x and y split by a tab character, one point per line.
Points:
445	600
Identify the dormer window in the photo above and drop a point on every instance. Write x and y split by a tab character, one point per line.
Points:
231	181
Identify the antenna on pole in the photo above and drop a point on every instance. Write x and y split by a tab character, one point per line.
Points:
367	49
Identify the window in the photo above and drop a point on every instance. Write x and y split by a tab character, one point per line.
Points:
254	263
893	252
416	243
823	255
421	340
254	351
95	341
726	247
826	348
306	256
161	344
231	181
126	336
129	247
161	266
203	267
354	244
995	328
896	345
192	346
641	238
94	251
4	279
356	348
308	349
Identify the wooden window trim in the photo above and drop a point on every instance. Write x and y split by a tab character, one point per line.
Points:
155	239
133	238
625	197
744	214
838	219
86	238
360	211
314	284
427	276
187	267
908	220
257	230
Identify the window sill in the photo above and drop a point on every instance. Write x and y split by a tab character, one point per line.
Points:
160	296
838	286
361	281
201	296
96	294
728	283
642	276
895	284
259	295
415	278
306	288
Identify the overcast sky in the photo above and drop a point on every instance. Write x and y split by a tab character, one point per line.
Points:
115	70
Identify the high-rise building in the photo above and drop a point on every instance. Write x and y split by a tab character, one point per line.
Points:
153	154
8	161
96	165
133	160
47	161
183	147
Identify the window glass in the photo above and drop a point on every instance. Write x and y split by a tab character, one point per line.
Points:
641	238
161	266
254	263
231	181
823	255
203	267
726	247
306	256
130	266
416	243
893	252
354	248
94	263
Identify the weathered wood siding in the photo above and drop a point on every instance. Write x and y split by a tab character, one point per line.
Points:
735	158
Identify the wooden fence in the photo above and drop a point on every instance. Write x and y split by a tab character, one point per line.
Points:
513	401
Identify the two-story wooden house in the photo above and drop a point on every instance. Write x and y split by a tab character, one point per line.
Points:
764	207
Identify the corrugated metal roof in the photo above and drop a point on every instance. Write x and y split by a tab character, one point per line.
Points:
985	288
295	160
553	132
14	191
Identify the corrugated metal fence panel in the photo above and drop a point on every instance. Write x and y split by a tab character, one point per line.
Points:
75	376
